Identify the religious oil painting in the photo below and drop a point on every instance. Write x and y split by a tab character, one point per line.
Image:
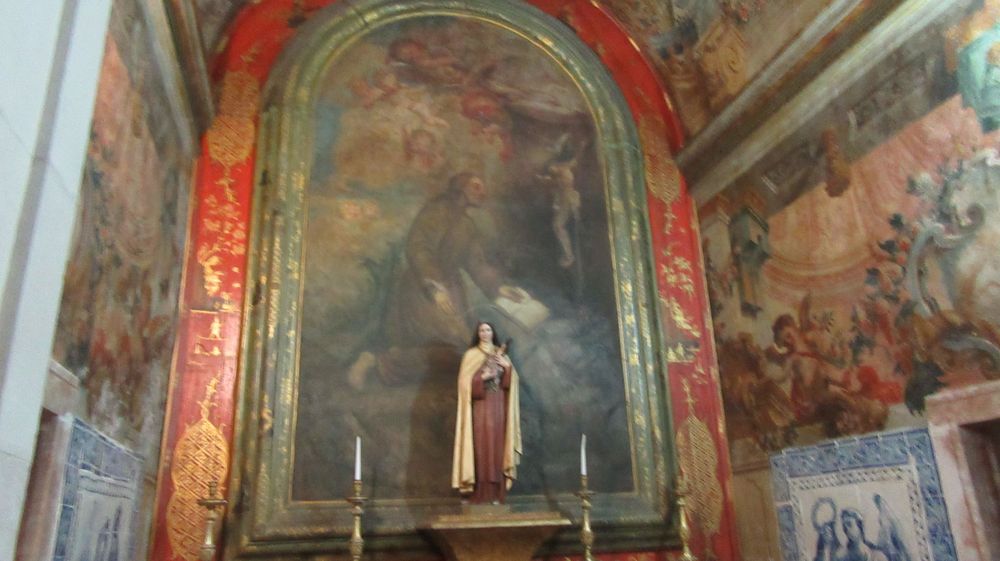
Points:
456	177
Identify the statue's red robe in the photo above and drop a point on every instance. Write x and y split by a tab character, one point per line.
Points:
487	431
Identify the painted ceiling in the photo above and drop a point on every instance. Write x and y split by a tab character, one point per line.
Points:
726	64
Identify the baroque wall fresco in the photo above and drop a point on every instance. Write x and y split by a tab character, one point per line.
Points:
840	312
117	319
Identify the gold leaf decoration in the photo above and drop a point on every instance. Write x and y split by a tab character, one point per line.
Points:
662	175
240	95
230	139
231	136
200	455
699	461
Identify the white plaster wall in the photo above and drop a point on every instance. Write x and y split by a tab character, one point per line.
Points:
52	53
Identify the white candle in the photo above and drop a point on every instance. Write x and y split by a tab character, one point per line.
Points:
583	455
357	458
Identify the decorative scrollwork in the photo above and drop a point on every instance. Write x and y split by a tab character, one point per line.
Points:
201	455
699	462
662	175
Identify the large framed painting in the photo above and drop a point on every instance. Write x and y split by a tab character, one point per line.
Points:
424	166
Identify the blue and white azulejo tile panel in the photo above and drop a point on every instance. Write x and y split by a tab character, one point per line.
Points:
100	499
868	498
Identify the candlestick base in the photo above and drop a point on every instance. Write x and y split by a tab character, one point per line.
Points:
685	530
357	501
211	503
586	533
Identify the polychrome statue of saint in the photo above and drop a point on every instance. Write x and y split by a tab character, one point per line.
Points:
488	423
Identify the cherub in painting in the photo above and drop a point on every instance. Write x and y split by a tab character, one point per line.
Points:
422	149
383	84
386	86
437	66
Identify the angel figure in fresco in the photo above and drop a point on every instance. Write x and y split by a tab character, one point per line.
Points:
810	355
750	394
558	171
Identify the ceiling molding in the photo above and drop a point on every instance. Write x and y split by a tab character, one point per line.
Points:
175	90
192	58
907	22
828	36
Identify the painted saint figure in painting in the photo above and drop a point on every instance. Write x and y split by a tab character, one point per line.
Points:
429	309
488	424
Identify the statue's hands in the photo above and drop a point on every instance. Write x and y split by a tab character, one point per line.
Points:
504	361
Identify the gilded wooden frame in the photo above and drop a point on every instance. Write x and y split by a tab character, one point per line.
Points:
270	523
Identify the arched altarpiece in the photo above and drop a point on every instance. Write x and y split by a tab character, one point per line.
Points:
540	96
338	245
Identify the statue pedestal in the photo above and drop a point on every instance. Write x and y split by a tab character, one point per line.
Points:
493	533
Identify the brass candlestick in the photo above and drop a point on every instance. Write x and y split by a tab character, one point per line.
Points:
682	493
357	542
211	503
586	533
